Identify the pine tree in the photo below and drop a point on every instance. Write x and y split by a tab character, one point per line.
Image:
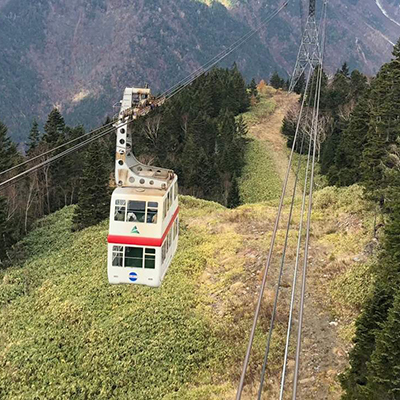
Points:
94	196
33	138
4	230
54	128
253	88
234	195
8	150
300	85
357	379
384	368
276	81
384	127
345	70
349	154
190	155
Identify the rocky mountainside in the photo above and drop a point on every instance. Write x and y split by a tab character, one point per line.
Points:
79	55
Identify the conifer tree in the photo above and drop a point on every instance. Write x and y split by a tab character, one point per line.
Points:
384	127
94	196
253	88
276	81
300	85
357	379
54	128
190	161
348	158
8	150
234	195
33	138
4	230
384	368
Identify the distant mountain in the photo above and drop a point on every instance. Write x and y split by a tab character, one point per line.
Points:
80	54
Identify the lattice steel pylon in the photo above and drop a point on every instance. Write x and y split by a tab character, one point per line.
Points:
309	52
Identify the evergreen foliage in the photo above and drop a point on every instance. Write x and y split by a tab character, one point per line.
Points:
253	91
94	195
8	150
349	153
234	195
33	138
197	134
54	129
364	379
4	229
300	85
276	81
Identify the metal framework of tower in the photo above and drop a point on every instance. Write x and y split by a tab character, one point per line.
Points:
309	52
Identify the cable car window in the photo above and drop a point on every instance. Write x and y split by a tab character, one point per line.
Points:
152	211
119	213
134	257
136	211
150	259
117	256
176	190
165	208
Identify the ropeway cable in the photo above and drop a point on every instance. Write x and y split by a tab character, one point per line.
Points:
50	160
278	285
214	61
55	148
294	282
174	89
273	316
268	263
307	240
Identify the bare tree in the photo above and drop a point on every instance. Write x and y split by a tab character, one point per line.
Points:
152	127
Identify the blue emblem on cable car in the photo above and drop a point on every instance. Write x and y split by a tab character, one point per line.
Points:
133	276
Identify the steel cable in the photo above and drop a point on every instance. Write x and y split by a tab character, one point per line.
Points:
307	239
273	316
55	148
269	259
50	160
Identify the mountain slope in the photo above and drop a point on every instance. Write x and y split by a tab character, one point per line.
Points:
66	333
81	54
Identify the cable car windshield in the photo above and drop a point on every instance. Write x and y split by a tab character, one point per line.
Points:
137	211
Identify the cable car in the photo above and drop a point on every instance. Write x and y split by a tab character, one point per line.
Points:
144	213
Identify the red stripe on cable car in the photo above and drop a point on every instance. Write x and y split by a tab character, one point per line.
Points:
143	241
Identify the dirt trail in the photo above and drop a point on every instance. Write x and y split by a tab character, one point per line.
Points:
268	132
323	353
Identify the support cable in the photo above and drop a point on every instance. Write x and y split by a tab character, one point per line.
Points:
50	160
174	89
296	268
273	316
275	307
307	240
55	148
269	259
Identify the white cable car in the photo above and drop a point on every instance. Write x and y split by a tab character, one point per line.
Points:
144	220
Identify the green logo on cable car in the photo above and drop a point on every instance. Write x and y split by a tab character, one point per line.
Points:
135	230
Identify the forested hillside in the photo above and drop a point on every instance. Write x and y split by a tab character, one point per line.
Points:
195	133
67	332
80	55
360	139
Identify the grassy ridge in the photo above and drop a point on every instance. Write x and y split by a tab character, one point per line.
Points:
66	333
259	181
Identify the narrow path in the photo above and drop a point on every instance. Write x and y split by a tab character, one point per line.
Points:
323	353
268	132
